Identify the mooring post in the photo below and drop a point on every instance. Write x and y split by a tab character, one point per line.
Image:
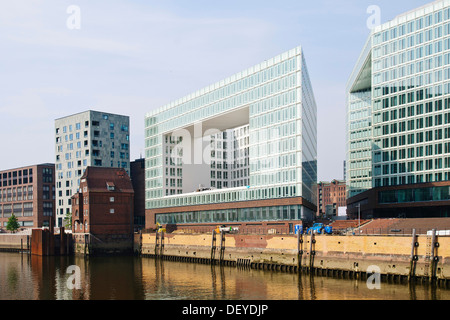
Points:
85	244
89	243
213	246
156	243
299	251
161	247
414	257
68	238
222	247
434	256
311	252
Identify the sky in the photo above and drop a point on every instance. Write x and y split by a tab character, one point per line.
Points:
61	57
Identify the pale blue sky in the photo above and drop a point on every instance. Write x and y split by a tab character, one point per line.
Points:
130	57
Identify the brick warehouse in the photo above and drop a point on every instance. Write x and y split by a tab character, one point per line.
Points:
330	197
28	193
103	211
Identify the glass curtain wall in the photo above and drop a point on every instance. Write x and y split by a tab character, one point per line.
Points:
282	123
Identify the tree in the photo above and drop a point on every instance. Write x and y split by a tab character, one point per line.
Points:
68	220
12	224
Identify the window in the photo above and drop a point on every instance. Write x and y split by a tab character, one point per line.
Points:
111	210
111	199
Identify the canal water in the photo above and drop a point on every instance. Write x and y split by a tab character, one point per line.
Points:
25	277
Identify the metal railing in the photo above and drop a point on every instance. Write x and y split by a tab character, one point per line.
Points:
243	231
393	231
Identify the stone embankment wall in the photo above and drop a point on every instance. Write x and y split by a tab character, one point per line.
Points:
402	256
14	242
89	244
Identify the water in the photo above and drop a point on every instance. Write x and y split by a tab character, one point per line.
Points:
24	277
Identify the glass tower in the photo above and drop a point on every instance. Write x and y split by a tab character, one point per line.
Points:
398	103
249	137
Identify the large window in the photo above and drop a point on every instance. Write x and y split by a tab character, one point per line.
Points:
414	195
277	213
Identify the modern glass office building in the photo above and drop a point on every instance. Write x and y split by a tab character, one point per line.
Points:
242	149
398	104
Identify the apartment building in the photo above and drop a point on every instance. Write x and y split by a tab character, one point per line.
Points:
28	193
89	138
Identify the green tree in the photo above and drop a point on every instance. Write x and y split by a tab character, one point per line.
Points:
68	220
12	224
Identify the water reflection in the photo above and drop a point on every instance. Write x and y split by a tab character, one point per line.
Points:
24	277
190	281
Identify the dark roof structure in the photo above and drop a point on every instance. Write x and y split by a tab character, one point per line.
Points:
101	179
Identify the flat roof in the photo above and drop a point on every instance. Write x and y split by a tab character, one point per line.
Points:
30	166
403	17
103	112
235	77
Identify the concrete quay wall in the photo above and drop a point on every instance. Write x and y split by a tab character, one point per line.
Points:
392	256
14	242
89	244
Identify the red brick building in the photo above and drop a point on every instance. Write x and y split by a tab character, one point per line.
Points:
29	194
330	197
103	209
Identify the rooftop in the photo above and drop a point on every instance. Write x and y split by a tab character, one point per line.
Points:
89	111
99	179
30	166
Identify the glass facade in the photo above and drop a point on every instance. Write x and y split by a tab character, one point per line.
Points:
278	213
404	103
268	114
414	195
359	155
